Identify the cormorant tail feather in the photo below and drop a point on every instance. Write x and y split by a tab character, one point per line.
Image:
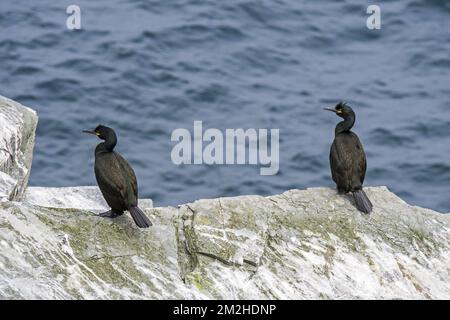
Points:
362	201
140	218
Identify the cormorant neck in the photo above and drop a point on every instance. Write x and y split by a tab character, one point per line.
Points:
110	141
346	125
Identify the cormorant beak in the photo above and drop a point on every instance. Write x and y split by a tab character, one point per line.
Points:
329	109
91	132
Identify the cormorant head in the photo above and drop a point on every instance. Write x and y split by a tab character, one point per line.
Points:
101	131
104	133
342	110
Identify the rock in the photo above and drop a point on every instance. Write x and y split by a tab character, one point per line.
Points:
17	130
302	244
74	254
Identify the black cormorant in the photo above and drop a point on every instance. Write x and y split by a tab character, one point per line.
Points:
116	178
347	158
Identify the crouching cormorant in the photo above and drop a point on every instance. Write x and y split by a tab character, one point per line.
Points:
347	158
116	178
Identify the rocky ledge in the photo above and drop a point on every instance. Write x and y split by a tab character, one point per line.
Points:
302	244
17	130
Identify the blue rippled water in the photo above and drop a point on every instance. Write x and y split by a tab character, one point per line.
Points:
148	67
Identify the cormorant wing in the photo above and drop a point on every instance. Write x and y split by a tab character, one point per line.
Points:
362	159
129	172
348	161
110	178
337	171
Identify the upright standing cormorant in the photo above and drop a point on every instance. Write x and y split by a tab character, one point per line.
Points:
116	178
347	158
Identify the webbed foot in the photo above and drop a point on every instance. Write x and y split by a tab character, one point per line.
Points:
110	214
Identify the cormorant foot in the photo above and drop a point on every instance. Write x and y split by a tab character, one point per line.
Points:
110	214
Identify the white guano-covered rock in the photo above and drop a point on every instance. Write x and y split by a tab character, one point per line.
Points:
302	244
17	132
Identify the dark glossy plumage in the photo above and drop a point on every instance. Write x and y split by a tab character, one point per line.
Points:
348	160
116	179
